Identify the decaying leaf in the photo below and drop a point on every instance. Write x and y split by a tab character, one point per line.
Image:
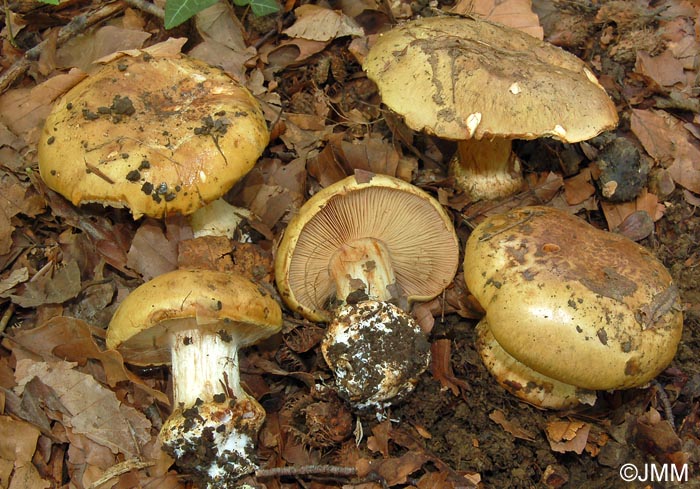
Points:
511	426
667	141
568	435
317	23
513	13
18	442
95	411
57	285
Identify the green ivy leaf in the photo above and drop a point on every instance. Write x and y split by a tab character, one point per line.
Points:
178	11
51	2
260	8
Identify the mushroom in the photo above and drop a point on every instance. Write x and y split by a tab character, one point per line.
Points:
570	308
160	135
197	320
484	84
367	238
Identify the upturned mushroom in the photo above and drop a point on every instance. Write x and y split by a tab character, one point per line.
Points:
360	243
196	321
159	135
570	309
484	84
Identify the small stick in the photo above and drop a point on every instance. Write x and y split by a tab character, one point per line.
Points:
71	29
665	403
148	7
323	470
6	316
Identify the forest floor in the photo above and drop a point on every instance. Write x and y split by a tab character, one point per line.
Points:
74	415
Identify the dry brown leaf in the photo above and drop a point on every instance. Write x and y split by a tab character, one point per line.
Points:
217	54
152	253
219	23
513	13
317	23
372	153
290	52
568	436
616	213
23	110
667	141
18	442
82	51
393	470
95	411
665	69
54	287
379	441
72	340
512	427
579	187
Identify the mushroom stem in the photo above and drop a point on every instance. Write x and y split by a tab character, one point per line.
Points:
204	364
363	264
487	169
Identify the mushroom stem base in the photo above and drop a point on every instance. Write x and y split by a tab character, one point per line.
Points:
364	264
486	169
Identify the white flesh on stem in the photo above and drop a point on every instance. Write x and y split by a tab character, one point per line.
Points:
363	263
204	364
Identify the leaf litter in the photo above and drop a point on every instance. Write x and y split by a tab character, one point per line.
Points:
79	416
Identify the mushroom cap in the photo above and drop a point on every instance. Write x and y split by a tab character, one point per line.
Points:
583	306
523	382
414	227
377	353
160	135
462	77
226	303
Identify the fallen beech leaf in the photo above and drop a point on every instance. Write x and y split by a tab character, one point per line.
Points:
15	278
72	340
317	23
568	436
393	470
512	427
667	140
17	446
513	13
62	285
579	187
95	410
664	69
152	253
24	109
82	51
379	441
616	213
658	438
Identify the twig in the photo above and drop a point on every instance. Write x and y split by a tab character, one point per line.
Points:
76	26
119	469
6	316
665	403
323	470
148	7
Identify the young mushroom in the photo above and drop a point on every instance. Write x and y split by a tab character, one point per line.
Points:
484	84
159	135
362	243
570	309
196	321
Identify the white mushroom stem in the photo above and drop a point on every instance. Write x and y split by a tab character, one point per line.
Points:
363	264
204	364
487	169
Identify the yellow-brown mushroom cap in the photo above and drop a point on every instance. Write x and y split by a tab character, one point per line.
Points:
461	77
412	225
160	135
580	305
225	303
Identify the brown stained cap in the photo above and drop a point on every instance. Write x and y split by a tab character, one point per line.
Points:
414	227
461	77
160	135
583	306
223	302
